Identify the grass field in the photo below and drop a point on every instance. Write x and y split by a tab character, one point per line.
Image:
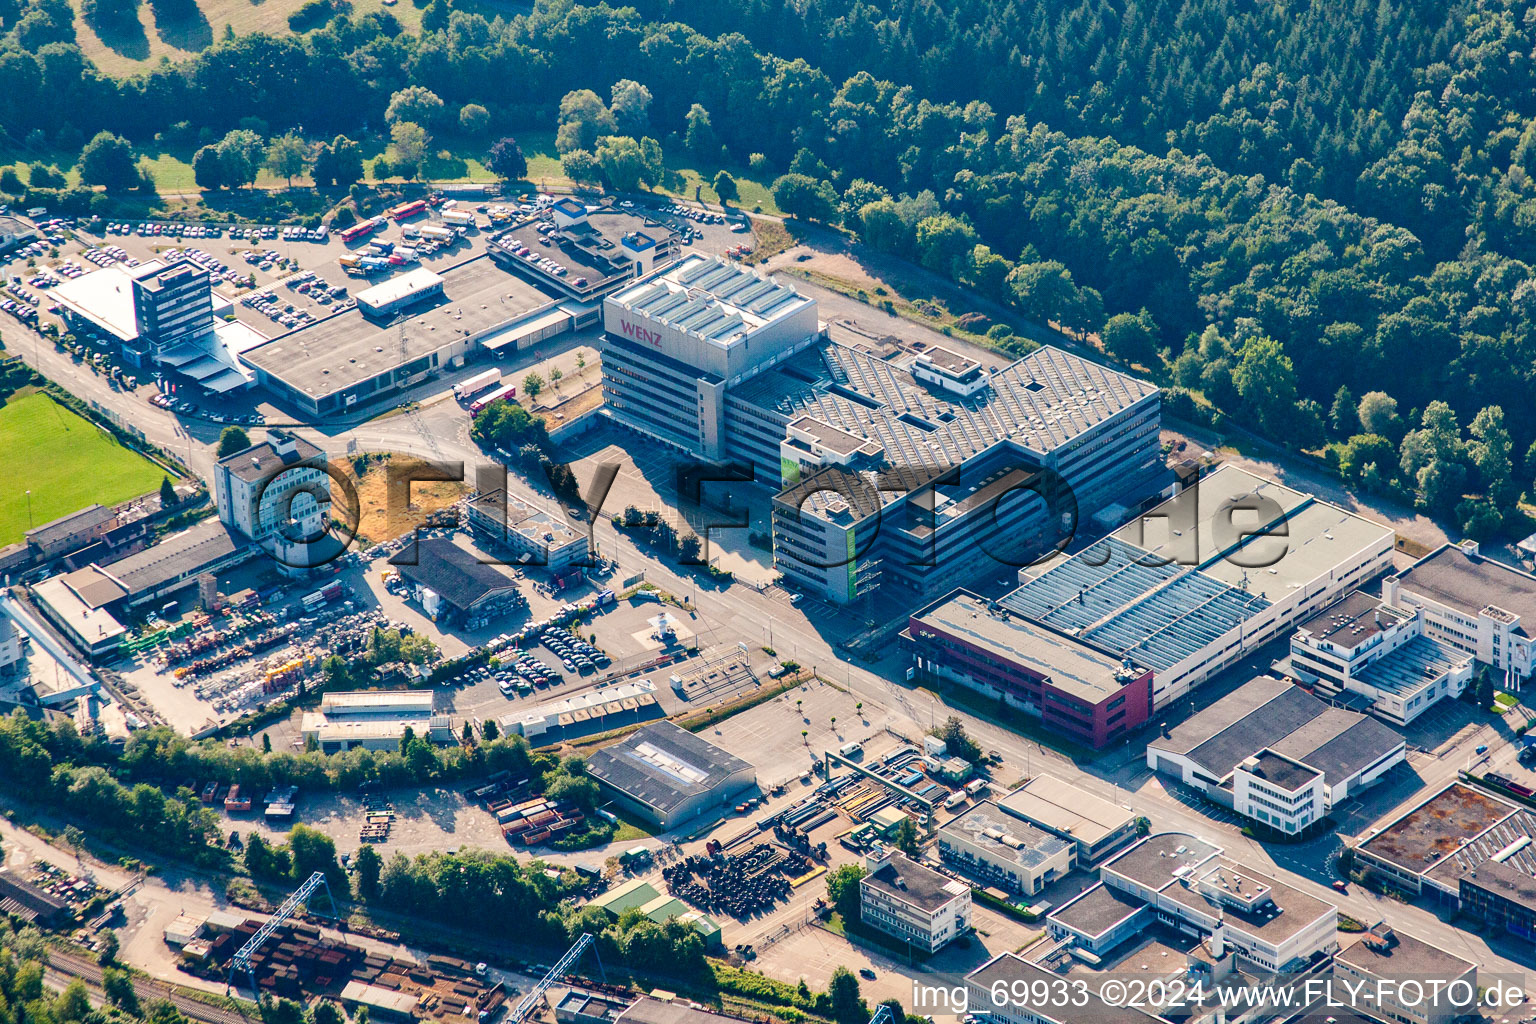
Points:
65	461
128	53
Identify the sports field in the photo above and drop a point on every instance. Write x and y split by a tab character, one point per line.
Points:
65	461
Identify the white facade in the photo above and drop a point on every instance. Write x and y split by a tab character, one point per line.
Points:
1470	621
260	490
10	644
1290	805
912	903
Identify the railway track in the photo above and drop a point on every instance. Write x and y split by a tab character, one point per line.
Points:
148	991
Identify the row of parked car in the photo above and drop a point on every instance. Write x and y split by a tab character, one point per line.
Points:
574	653
107	255
217	269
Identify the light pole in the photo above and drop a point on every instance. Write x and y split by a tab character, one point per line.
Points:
29	510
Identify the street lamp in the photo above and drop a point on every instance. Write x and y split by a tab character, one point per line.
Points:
29	510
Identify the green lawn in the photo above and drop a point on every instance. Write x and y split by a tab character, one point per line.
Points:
65	461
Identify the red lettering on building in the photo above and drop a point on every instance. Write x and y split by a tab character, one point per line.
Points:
640	333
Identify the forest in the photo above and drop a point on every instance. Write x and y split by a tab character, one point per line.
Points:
1311	221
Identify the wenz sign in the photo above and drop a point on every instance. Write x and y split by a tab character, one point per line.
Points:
635	331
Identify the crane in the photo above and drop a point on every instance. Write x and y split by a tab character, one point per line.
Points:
242	958
525	1005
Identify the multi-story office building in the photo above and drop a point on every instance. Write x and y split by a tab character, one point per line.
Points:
171	304
1096	826
1362	646
917	471
1475	604
1089	695
915	904
1443	986
278	488
1501	895
1187	881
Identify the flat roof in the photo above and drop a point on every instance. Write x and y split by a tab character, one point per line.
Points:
105	297
1279	771
347	348
1157	860
1010	968
1161	597
363	701
986	825
713	298
587	700
1062	807
1268	713
1391	953
593	249
452	572
1097	910
85	618
1438	828
1411	667
1262	906
1502	879
1076	668
417	280
662	766
1470	582
380	997
260	460
177	557
1352	621
902	878
649	1010
518	516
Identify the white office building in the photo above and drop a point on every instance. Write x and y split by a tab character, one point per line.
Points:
274	491
912	903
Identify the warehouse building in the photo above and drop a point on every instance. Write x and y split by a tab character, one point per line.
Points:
374	720
1086	694
1502	895
1096	826
1436	842
668	775
1472	603
350	357
89	604
1274	753
530	536
1000	850
913	903
453	584
1009	972
1364	654
726	365
1201	580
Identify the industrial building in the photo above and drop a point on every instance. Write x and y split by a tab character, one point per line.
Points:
163	314
452	584
587	254
93	534
1001	850
1188	881
726	365
1447	836
1009	972
638	894
350	357
374	720
1501	895
1383	958
913	903
1087	694
531	536
1472	603
599	709
1274	753
414	287
15	233
89	603
1096	826
1196	583
1362	653
668	775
